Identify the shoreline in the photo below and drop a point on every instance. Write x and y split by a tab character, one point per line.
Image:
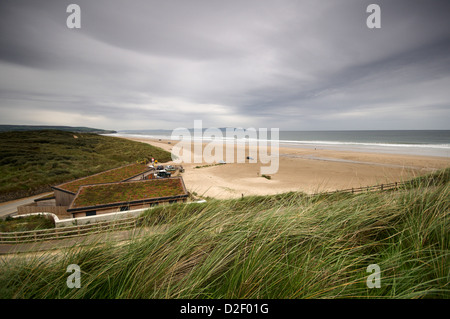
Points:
307	170
415	149
400	149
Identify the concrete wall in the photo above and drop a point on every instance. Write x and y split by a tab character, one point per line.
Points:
132	207
99	218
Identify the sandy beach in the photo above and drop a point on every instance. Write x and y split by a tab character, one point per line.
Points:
306	170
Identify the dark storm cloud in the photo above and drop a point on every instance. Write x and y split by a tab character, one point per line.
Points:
288	64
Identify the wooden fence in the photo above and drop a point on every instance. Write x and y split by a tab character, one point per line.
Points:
381	187
68	232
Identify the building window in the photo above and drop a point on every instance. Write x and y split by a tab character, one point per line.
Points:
123	208
91	213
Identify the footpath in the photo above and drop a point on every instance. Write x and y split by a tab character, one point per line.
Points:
88	240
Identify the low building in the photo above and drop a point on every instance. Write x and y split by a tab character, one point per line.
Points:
124	188
65	193
114	197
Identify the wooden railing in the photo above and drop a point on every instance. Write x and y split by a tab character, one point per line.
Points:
68	232
381	187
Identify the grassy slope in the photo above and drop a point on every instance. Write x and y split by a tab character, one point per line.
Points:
285	246
26	224
30	162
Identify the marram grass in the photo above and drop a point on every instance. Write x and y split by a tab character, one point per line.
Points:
283	246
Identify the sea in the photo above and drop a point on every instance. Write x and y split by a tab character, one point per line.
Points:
410	142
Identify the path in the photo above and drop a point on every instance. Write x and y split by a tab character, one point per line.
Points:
122	235
10	208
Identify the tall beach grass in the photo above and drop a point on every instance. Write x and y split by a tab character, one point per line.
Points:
281	246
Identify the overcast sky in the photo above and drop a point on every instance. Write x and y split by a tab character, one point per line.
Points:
293	65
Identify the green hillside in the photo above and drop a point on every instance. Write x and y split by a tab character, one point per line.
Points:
32	161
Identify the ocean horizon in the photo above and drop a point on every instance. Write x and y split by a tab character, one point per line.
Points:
413	142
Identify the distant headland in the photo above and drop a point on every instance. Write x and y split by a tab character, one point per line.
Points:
76	129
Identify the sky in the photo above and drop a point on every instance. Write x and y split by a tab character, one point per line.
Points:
292	65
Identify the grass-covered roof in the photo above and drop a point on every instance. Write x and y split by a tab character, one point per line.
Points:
111	176
115	193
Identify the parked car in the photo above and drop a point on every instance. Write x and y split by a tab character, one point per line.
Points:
163	174
159	167
170	168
